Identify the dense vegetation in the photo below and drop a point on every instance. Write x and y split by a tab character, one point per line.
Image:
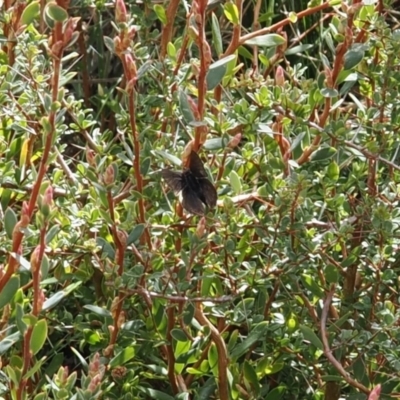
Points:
288	288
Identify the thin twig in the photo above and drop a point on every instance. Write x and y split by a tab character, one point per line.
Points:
328	351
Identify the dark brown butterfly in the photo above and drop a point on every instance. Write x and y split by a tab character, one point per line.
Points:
193	185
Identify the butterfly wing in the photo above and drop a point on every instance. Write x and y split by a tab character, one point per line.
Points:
193	185
191	201
196	166
173	179
205	190
208	191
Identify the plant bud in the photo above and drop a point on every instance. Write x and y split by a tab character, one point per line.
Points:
234	142
375	393
207	54
94	365
90	157
120	11
131	67
35	259
24	215
194	108
122	237
279	76
118	46
108	176
201	227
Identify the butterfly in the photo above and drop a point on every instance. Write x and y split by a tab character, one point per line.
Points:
192	184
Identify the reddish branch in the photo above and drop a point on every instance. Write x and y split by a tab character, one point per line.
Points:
328	352
168	27
57	42
221	350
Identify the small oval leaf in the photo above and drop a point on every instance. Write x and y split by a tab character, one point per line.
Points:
30	13
323	154
310	335
10	220
235	182
135	234
217	71
39	336
55	12
269	40
9	291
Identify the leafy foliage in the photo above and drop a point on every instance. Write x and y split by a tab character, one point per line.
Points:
289	289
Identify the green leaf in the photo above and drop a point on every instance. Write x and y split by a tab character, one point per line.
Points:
179	335
105	247
41	396
171	51
217	70
231	13
52	232
323	153
255	335
233	340
311	284
274	368
214	144
181	351
329	92
30	13
276	393
213	359
36	367
251	376
207	390
122	357
331	274
216	34
269	40
22	261
298	49
161	14
109	42
188	314
354	56
39	336
10	220
333	171
351	259
9	341
185	107
235	182
135	234
81	358
310	335
55	12
173	159
57	297
102	312
155	394
9	291
334	327
19	318
244	52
